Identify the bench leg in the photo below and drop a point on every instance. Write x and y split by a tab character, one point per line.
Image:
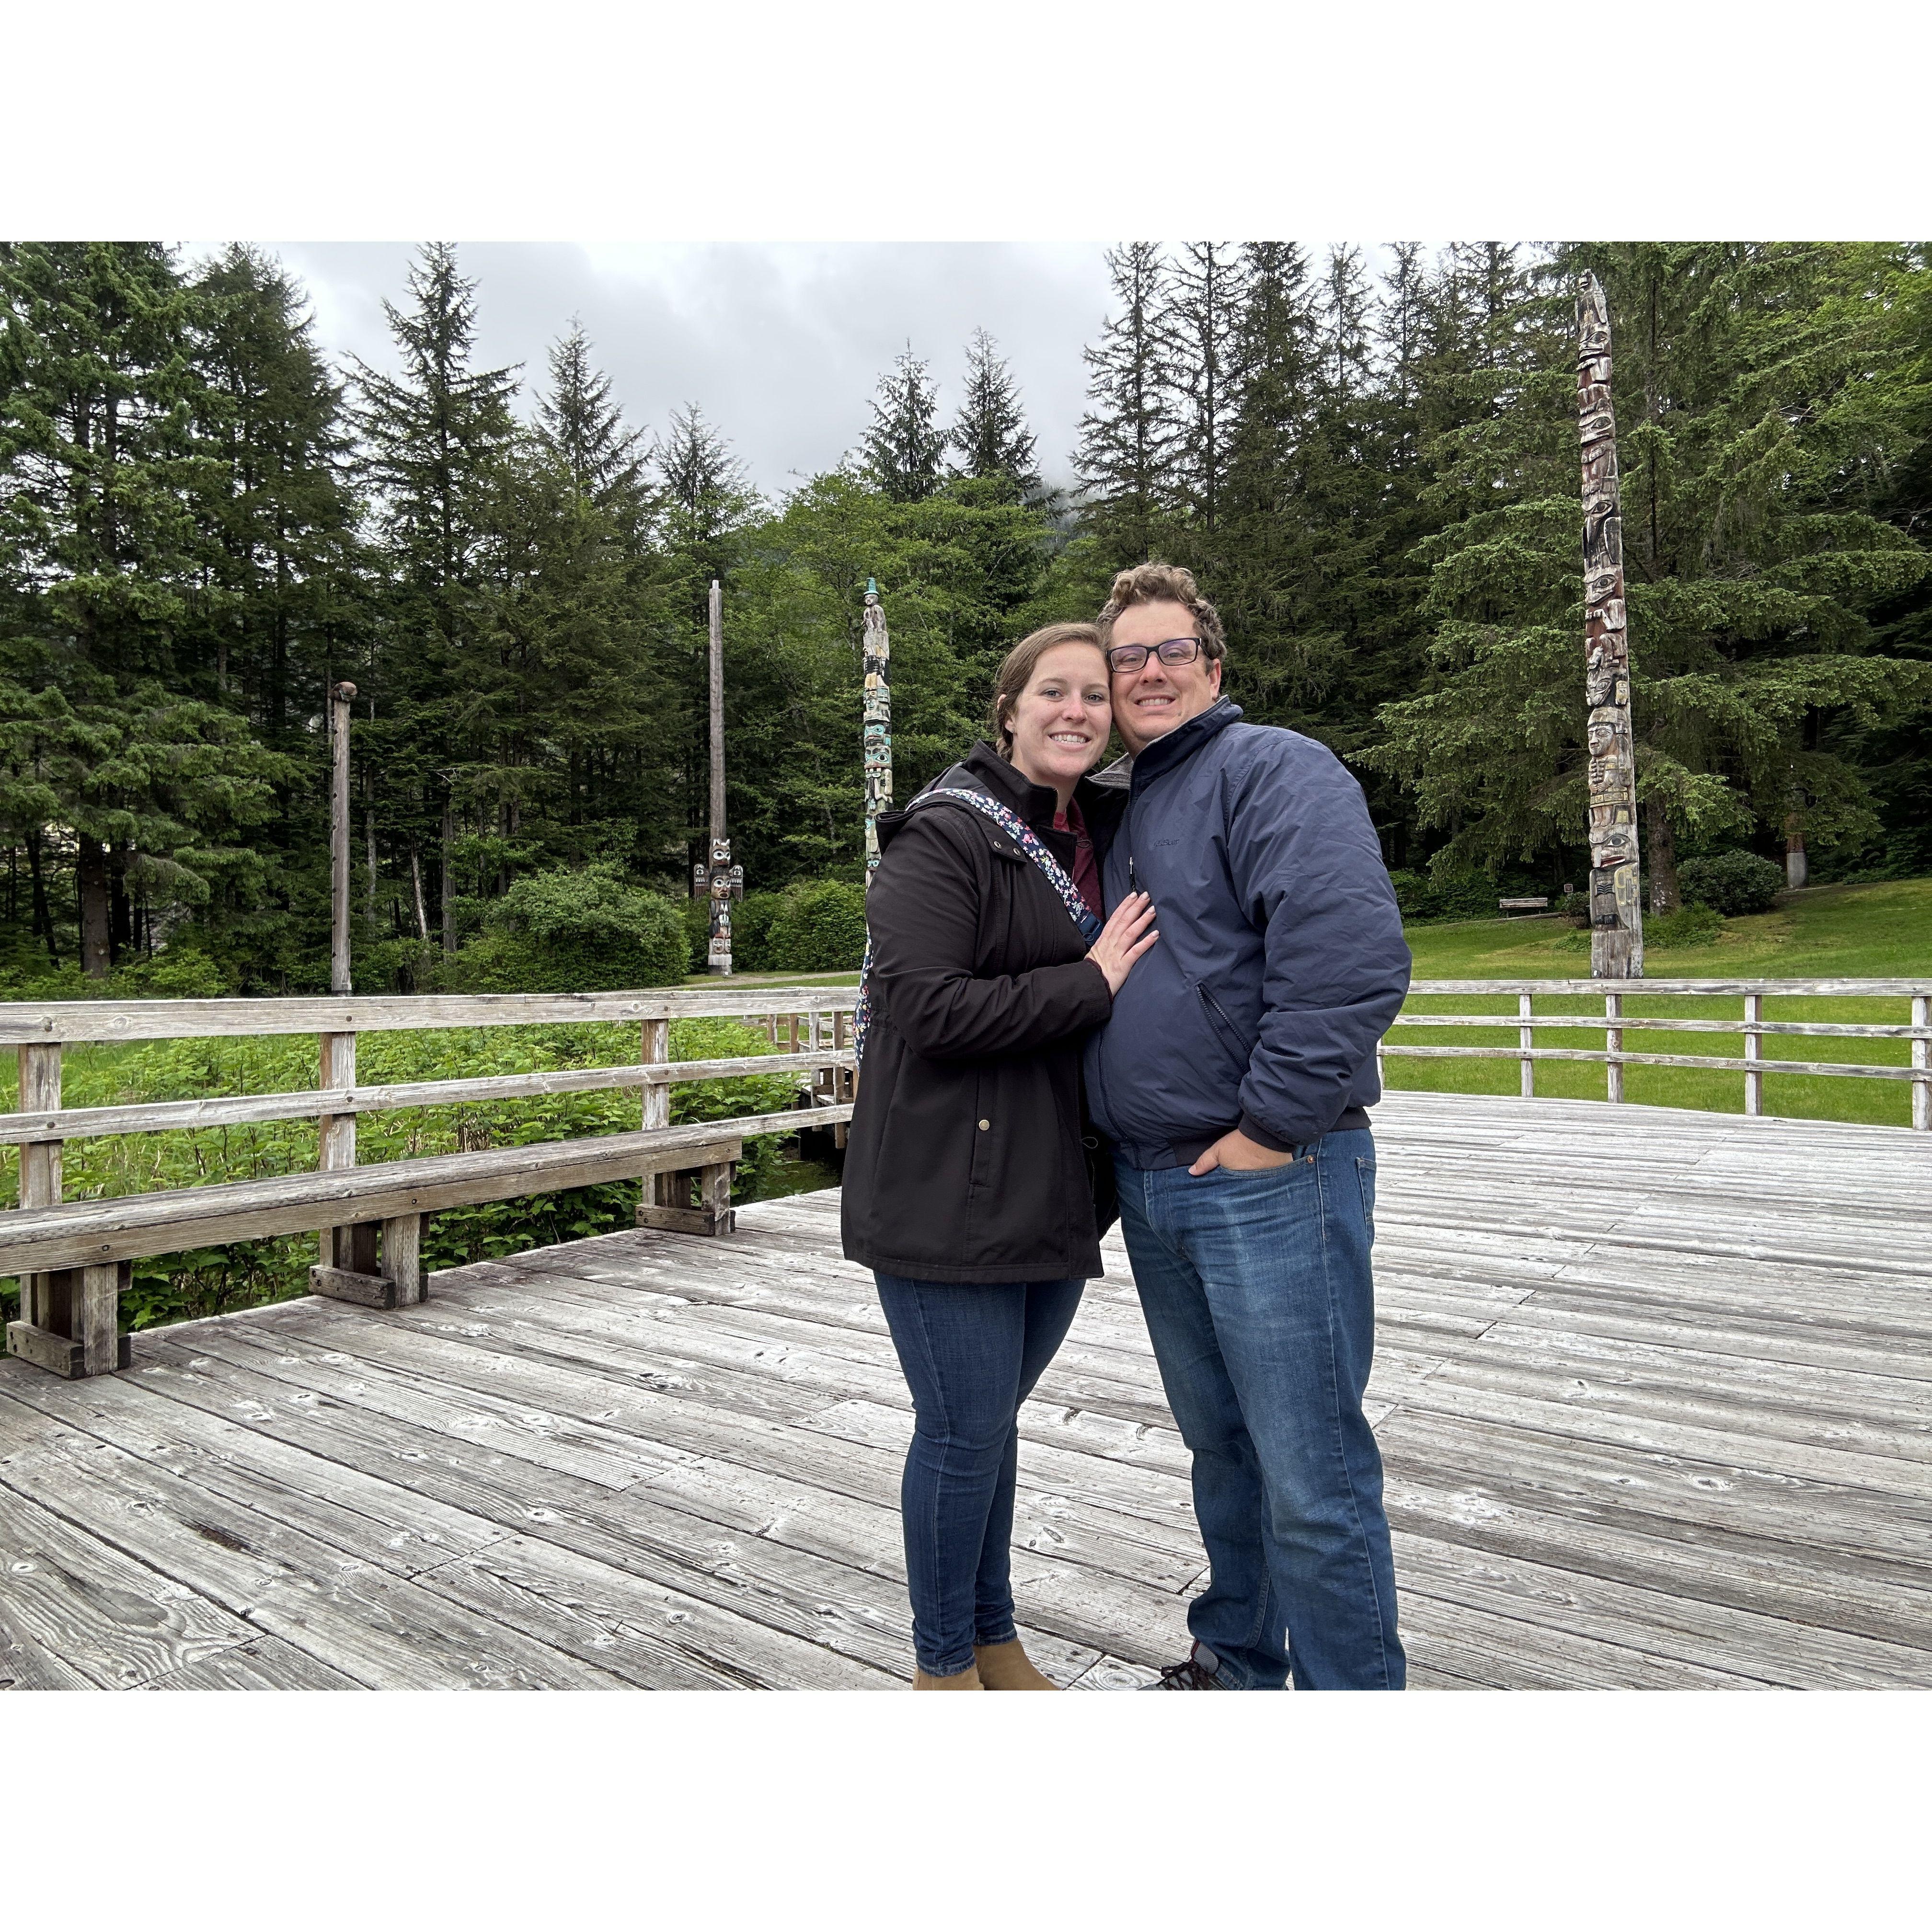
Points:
79	1331
667	1203
402	1259
387	1271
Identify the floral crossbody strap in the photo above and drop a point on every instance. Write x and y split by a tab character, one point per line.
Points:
1023	836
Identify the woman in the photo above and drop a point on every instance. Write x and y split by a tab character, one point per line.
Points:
966	1190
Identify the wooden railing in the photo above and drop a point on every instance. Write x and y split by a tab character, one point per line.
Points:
1615	1021
73	1258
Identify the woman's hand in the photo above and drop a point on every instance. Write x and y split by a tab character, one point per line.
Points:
1119	944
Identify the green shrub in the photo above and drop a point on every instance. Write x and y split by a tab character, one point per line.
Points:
1690	925
1731	882
819	928
752	922
1421	898
573	932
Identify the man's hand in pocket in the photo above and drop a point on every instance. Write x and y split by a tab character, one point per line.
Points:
1239	1155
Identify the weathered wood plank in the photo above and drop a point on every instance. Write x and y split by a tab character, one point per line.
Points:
376	1627
382	1522
76	1607
264	1663
35	1022
128	1226
1711	1636
788	1545
306	1103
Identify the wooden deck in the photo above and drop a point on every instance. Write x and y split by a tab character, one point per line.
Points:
1654	1390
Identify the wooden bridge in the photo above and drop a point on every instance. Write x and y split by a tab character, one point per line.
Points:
1653	1387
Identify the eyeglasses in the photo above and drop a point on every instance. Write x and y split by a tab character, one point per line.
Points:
1175	651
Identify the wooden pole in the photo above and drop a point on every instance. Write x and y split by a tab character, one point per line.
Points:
369	835
718	957
1616	914
877	649
449	878
340	699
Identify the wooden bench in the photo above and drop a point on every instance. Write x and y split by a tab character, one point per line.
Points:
81	1250
1523	905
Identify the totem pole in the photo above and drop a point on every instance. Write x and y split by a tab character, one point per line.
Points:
722	881
1616	913
877	649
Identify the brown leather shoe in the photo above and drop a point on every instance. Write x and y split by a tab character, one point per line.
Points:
1006	1667
967	1679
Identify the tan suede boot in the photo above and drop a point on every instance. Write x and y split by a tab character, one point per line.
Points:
1006	1667
967	1679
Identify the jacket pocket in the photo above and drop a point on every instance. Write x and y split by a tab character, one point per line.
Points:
1223	1027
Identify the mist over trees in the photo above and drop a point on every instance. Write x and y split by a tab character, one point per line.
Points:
1370	458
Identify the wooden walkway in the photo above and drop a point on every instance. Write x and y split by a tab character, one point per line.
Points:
1654	1390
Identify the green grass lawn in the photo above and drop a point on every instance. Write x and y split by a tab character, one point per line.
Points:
1881	931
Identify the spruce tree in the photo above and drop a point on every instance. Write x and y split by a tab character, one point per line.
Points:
431	440
102	486
1130	436
1757	427
990	433
578	420
903	451
1202	324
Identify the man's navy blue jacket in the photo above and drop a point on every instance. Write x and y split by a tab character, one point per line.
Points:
1281	961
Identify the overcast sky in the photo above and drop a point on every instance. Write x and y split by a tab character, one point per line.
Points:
783	345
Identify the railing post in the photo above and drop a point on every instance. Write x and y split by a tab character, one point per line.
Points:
40	1161
353	1249
1613	1045
844	1079
656	1191
1526	1038
1753	1050
1921	1060
70	1318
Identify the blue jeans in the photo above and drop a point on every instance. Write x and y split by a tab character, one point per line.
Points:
971	1352
1260	1302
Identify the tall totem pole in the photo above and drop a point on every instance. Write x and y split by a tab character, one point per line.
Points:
1616	912
877	649
721	881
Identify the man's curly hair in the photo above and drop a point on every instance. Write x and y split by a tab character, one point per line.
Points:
1169	583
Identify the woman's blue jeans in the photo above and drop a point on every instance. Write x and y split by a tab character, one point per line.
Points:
1260	1303
971	1352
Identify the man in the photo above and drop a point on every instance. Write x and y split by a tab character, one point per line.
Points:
1233	1081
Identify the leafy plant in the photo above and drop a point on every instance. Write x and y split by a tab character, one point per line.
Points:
1731	882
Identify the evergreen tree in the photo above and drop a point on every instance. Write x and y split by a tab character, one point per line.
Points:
281	514
905	448
1130	435
430	435
1202	323
577	419
1753	438
109	565
432	438
990	434
707	498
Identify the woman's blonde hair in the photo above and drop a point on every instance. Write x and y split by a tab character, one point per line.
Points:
1016	674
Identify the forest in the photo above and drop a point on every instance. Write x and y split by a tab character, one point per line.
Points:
205	522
